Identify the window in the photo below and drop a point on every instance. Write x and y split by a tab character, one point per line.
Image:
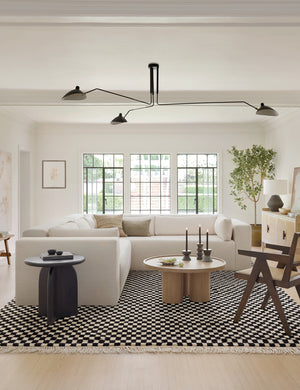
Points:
197	185
103	183
150	188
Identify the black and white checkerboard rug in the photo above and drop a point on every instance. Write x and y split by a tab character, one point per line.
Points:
142	322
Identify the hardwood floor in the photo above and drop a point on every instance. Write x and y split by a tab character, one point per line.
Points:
142	371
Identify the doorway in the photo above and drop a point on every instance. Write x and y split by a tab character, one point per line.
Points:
24	191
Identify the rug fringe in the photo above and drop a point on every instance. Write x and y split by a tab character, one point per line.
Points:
146	349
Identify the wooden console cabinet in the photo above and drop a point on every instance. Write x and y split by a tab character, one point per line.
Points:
277	228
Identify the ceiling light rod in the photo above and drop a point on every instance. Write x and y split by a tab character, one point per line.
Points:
77	94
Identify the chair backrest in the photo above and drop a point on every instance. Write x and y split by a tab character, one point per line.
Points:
294	254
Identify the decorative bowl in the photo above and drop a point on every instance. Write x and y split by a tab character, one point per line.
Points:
284	211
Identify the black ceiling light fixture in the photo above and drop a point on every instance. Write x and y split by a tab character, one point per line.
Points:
77	94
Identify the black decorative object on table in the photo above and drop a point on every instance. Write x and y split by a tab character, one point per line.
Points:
206	257
186	253
199	251
58	291
57	255
199	246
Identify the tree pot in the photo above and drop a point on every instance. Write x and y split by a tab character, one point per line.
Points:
256	235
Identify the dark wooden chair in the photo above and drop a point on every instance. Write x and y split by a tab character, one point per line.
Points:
284	275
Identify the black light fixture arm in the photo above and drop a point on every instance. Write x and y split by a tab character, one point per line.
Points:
215	102
118	94
138	108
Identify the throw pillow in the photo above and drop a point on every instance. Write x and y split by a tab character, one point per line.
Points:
109	232
109	221
223	227
136	227
82	223
90	220
67	225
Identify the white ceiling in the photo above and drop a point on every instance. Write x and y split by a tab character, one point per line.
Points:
148	8
207	50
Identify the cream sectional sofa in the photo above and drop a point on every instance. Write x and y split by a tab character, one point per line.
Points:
110	257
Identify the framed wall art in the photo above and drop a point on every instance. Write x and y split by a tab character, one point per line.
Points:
54	174
295	202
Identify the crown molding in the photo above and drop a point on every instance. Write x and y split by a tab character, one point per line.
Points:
141	21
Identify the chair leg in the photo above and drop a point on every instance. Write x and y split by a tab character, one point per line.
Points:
298	290
250	284
266	300
273	293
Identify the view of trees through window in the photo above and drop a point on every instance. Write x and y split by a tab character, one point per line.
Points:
149	188
197	187
103	183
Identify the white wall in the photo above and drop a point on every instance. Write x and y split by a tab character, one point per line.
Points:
283	136
15	135
68	142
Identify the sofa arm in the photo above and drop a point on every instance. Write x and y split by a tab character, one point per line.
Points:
98	277
241	235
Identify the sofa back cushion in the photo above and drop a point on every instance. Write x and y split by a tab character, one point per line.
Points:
105	232
223	227
171	225
66	226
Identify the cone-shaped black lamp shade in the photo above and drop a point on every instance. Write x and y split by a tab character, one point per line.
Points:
118	120
75	94
266	110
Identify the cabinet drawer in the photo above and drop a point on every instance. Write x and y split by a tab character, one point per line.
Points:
268	228
285	231
290	230
281	232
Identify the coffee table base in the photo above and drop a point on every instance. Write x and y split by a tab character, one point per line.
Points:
200	287
172	287
177	285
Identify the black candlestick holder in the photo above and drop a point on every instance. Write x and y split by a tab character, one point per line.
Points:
199	251
206	257
186	255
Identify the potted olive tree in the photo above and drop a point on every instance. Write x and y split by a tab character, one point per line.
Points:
252	166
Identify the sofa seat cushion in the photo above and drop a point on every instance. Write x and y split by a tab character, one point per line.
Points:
167	225
143	247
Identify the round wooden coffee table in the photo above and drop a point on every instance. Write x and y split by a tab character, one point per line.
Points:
193	279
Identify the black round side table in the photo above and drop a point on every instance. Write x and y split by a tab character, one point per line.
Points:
58	290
